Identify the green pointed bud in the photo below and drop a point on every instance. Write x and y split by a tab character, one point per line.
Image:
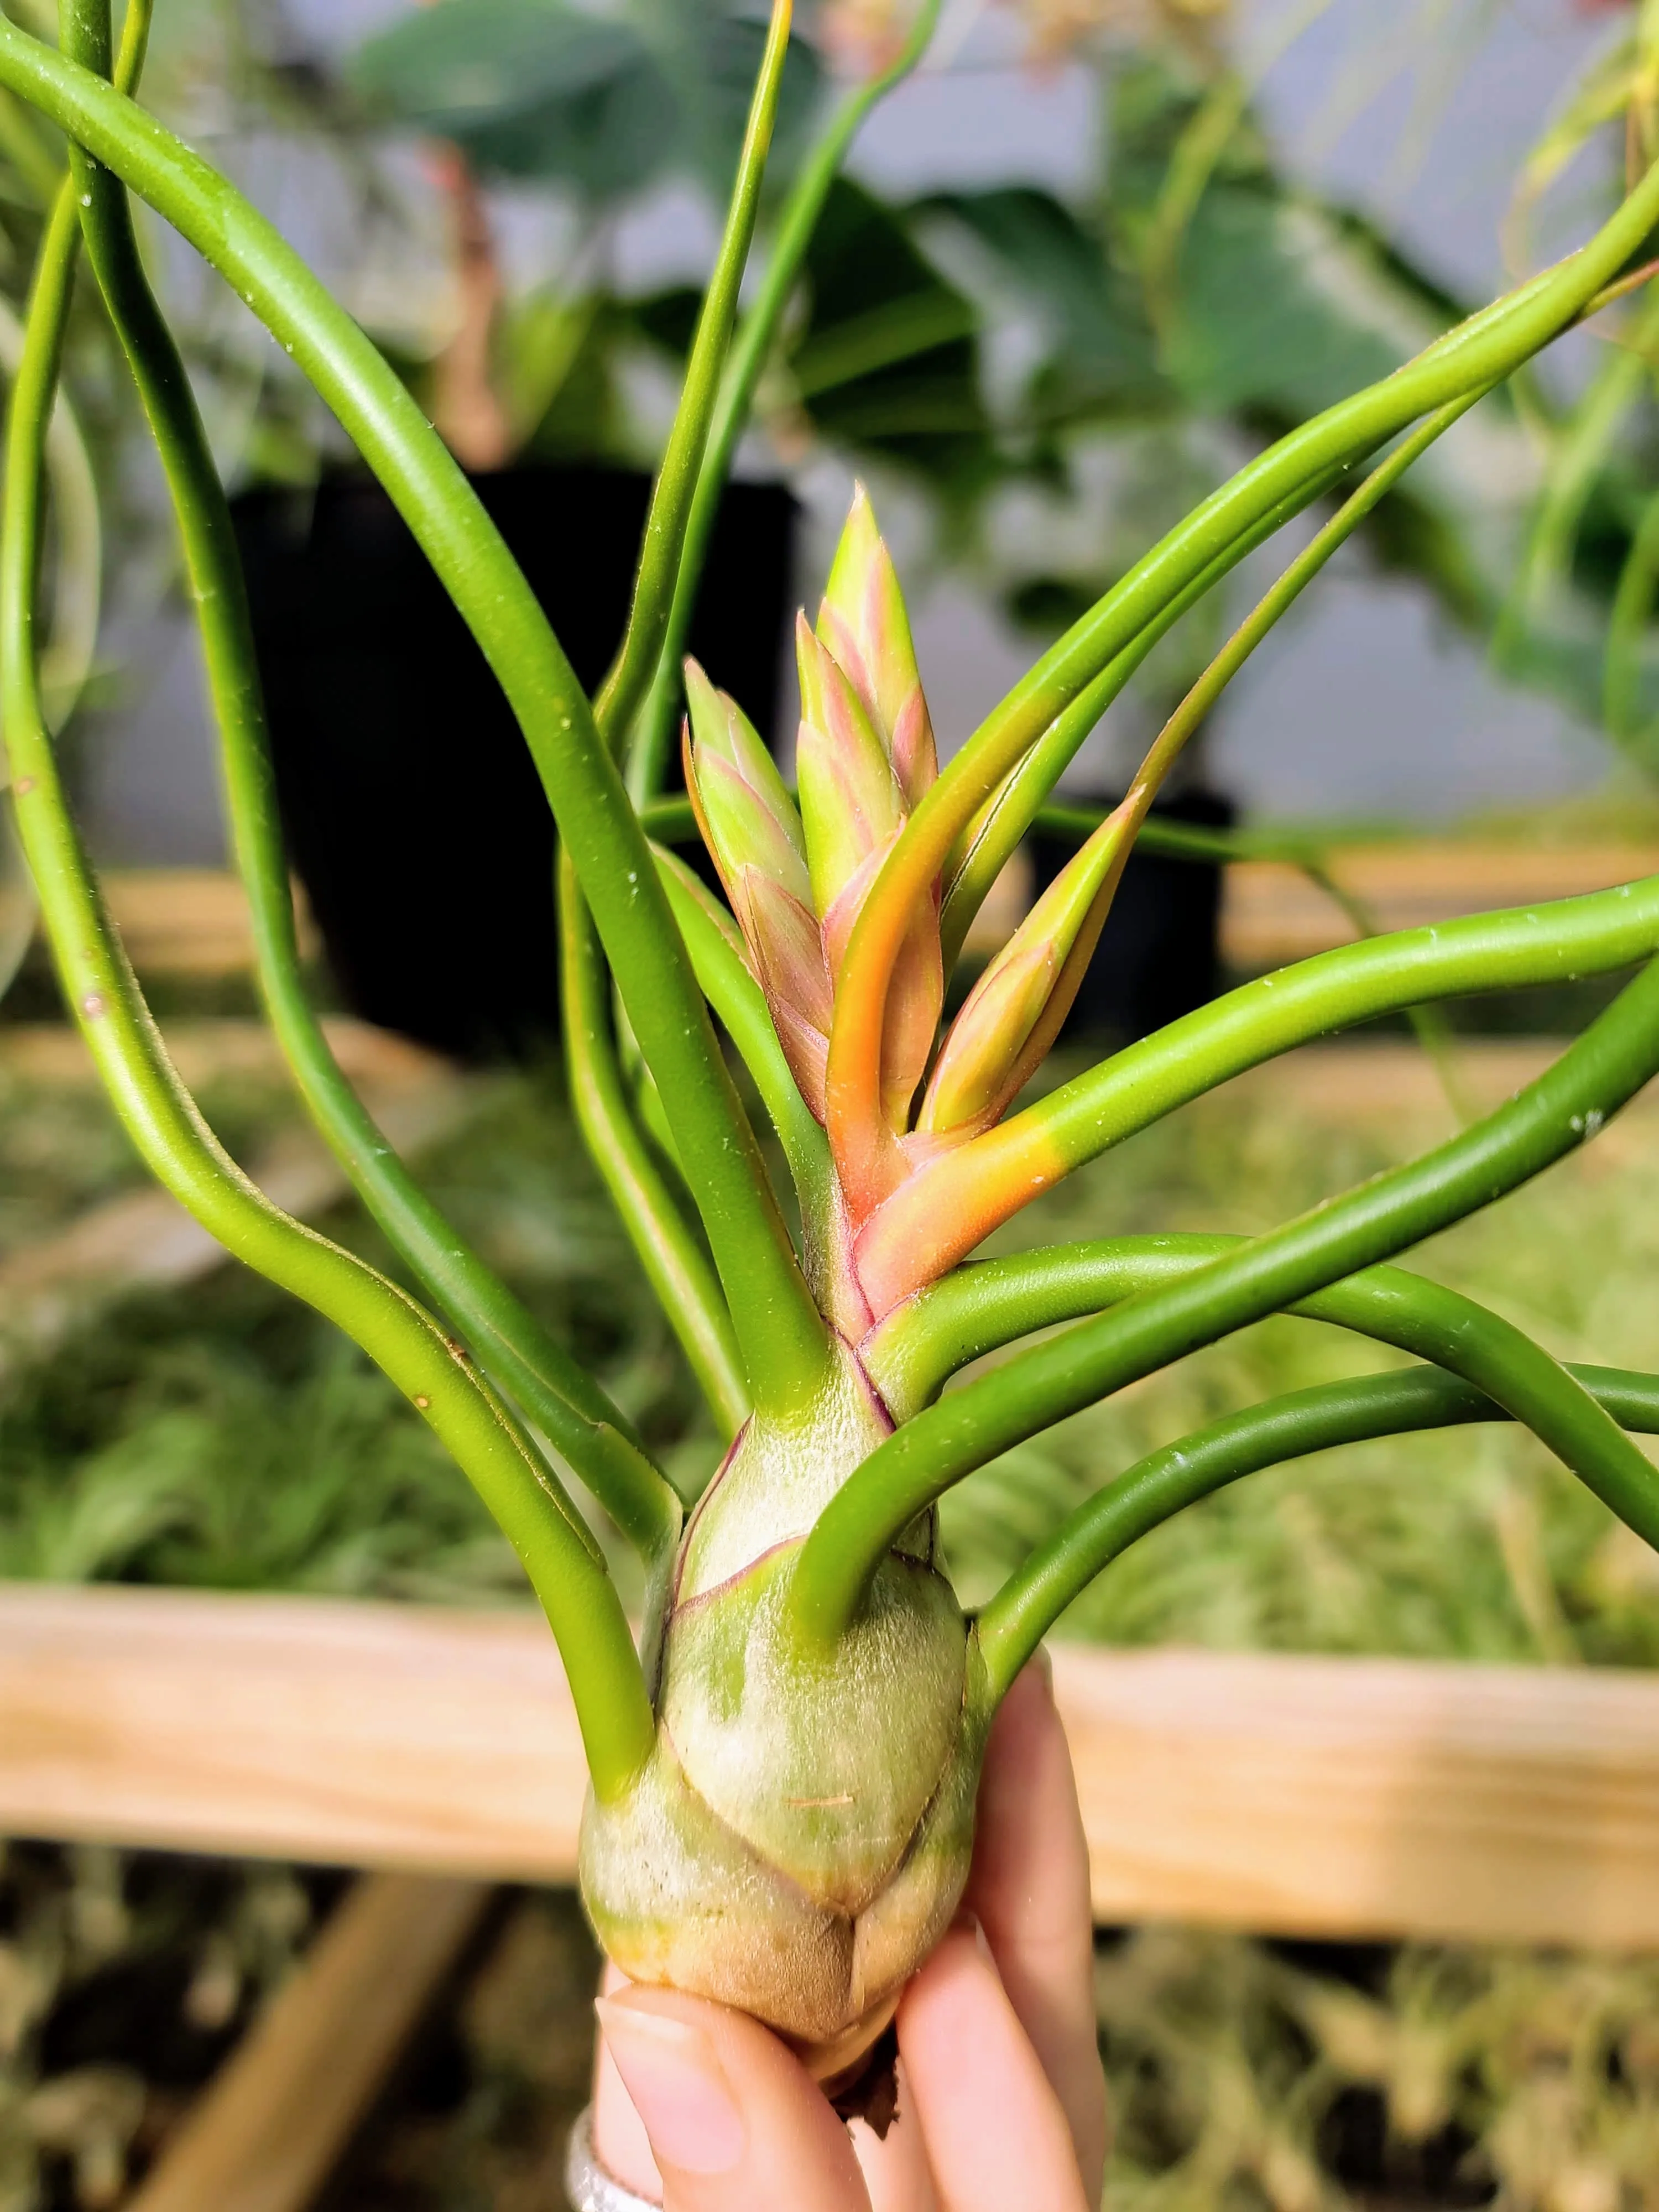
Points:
850	802
753	833
801	1835
1011	1014
863	621
745	809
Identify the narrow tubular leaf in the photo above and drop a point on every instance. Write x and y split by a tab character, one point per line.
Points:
550	1386
782	1334
1030	996
67	658
662	554
1595	1075
987	844
1622	702
952	1204
1302	1422
755	337
986	1307
1486	348
1385	1303
716	951
1580	451
684	1284
559	1555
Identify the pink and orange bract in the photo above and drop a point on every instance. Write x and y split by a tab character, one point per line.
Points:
797	877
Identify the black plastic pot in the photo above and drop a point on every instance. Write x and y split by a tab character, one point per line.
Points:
413	815
1159	954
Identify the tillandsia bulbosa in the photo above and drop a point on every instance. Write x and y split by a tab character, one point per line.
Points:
784	1763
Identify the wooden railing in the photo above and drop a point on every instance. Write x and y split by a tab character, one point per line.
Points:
1294	1795
194	922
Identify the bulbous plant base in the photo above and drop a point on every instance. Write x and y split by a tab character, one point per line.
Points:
677	1897
799	1839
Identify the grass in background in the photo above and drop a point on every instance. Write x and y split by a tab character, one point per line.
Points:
220	1436
62	1150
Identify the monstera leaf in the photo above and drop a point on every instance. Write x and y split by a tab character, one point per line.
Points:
888	362
1102	357
535	89
1281	306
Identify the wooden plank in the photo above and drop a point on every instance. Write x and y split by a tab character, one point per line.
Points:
209	1050
194	922
1297	1795
351	1733
1391	1084
267	2132
1271	913
189	922
1369	1797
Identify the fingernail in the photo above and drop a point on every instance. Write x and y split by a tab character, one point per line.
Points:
678	2087
974	1927
1044	1665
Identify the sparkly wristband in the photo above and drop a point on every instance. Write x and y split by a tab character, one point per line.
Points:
589	2187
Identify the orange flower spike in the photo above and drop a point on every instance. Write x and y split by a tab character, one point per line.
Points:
863	636
863	622
1015	1010
850	801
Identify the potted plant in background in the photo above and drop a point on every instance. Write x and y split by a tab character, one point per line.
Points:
1197	299
365	662
809	1704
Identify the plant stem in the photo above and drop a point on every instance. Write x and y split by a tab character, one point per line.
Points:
1628	630
653	739
662	556
1616	1055
78	588
1028	1605
954	1202
559	1556
667	1249
551	1387
784	1341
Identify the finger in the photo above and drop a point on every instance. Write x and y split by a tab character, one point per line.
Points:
620	2141
733	2121
995	2132
1029	1889
895	2165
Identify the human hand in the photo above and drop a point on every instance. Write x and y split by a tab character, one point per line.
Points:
1001	2100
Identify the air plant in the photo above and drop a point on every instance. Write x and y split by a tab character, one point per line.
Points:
784	1764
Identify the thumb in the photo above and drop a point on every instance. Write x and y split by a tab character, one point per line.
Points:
734	2122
